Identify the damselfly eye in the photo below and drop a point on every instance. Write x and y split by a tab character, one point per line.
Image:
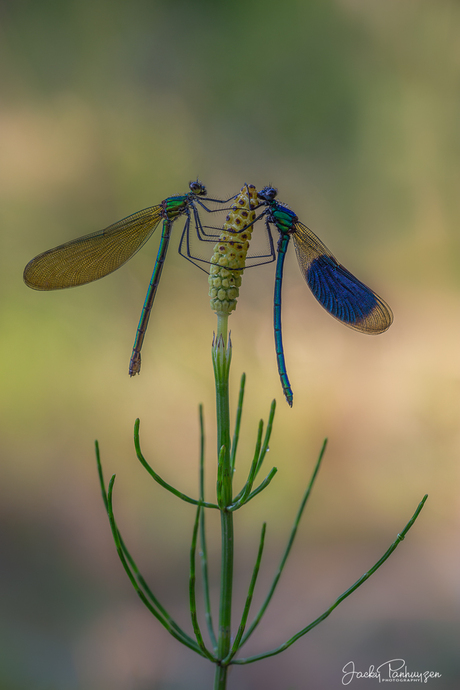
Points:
198	188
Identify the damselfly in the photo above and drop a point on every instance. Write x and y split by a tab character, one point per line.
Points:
336	289
94	256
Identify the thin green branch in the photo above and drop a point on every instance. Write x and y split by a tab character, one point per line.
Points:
246	490
132	563
306	495
157	477
175	631
204	550
343	596
260	452
239	411
101	476
244	617
192	592
268	433
149	593
263	485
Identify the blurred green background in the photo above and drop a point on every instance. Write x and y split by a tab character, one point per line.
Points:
351	108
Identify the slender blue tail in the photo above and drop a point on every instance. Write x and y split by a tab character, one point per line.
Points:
287	390
135	362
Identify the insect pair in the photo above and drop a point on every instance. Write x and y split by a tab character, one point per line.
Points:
94	256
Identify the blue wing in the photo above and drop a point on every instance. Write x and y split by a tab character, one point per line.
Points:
336	289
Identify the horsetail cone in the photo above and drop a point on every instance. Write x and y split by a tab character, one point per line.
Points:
229	258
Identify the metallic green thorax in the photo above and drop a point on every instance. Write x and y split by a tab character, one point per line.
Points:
175	206
283	218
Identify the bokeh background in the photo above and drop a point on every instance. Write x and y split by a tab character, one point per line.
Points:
351	108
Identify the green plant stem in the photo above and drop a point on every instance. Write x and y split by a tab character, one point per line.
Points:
203	549
221	362
244	617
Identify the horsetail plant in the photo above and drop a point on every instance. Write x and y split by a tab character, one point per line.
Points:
227	266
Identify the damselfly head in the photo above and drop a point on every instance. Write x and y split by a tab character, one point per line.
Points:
198	188
267	193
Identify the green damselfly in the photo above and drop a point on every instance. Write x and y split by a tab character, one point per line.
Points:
98	254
